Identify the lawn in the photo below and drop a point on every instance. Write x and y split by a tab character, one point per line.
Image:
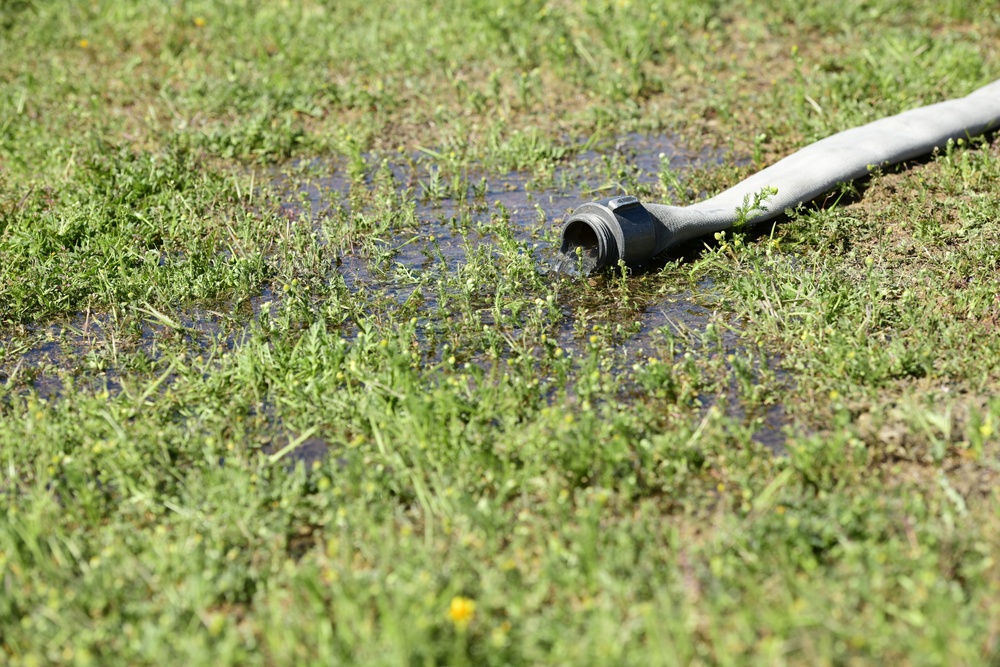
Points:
286	376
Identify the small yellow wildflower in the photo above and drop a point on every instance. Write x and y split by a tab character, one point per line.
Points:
199	21
84	43
461	610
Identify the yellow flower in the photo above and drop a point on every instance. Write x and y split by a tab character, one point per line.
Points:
461	610
199	21
84	43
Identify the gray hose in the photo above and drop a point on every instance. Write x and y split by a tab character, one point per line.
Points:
601	233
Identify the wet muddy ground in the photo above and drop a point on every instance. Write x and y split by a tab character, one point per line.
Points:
452	215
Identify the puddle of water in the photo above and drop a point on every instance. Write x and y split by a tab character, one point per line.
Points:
448	220
683	317
291	451
444	230
91	348
771	432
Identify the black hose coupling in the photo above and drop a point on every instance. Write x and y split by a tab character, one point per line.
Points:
600	233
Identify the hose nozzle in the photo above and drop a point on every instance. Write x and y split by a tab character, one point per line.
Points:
602	232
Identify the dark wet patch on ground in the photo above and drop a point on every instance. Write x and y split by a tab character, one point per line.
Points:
291	451
445	216
92	350
684	317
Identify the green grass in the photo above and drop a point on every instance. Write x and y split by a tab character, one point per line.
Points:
216	226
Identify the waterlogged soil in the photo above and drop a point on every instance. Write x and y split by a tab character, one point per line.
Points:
455	214
534	207
91	349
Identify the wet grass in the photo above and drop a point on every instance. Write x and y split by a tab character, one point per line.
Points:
285	374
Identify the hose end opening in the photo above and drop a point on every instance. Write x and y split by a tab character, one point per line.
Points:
600	233
584	246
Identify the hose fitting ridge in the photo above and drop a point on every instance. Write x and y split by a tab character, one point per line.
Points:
600	233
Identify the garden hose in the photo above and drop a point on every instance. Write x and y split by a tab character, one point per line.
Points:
601	233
